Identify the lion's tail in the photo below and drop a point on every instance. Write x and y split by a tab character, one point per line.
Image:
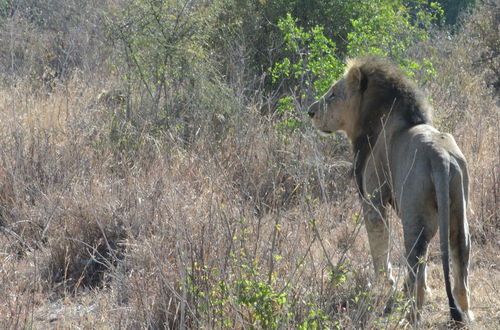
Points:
441	179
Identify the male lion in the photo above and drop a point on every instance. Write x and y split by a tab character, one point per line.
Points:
402	161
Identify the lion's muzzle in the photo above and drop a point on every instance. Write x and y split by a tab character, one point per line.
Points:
313	109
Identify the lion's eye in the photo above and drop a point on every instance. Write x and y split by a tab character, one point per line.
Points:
331	96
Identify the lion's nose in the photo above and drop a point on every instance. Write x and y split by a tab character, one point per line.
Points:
312	109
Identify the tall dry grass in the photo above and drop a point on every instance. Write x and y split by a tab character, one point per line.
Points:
109	225
143	229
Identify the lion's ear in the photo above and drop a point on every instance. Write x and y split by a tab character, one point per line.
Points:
356	79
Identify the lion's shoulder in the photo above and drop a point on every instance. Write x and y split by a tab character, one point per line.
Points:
388	93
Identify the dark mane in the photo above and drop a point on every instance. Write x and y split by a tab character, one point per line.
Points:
386	91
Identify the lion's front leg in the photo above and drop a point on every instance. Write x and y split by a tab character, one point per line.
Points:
377	228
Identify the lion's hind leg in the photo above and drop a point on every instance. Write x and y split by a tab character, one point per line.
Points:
417	237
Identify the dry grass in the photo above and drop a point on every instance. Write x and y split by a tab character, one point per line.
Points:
257	229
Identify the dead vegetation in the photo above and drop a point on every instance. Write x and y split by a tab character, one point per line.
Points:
103	225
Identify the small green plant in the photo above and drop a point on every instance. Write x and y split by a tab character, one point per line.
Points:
317	319
266	305
289	118
338	273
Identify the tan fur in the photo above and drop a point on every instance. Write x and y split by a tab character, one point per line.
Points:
403	162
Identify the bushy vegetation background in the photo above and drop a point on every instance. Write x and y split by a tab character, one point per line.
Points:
157	169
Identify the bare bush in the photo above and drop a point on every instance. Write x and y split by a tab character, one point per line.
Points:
218	218
47	40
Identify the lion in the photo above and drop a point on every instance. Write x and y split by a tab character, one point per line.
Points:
404	162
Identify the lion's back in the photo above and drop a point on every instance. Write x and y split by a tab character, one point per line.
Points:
415	154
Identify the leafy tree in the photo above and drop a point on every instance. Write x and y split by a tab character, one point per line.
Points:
313	56
312	60
380	27
389	28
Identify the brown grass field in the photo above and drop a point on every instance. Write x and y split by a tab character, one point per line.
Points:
255	229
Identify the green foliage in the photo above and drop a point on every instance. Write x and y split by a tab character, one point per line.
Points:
338	274
266	304
317	319
289	118
312	65
259	301
381	27
389	28
5	8
254	26
313	56
313	61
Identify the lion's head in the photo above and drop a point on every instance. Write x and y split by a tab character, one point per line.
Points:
372	94
370	90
